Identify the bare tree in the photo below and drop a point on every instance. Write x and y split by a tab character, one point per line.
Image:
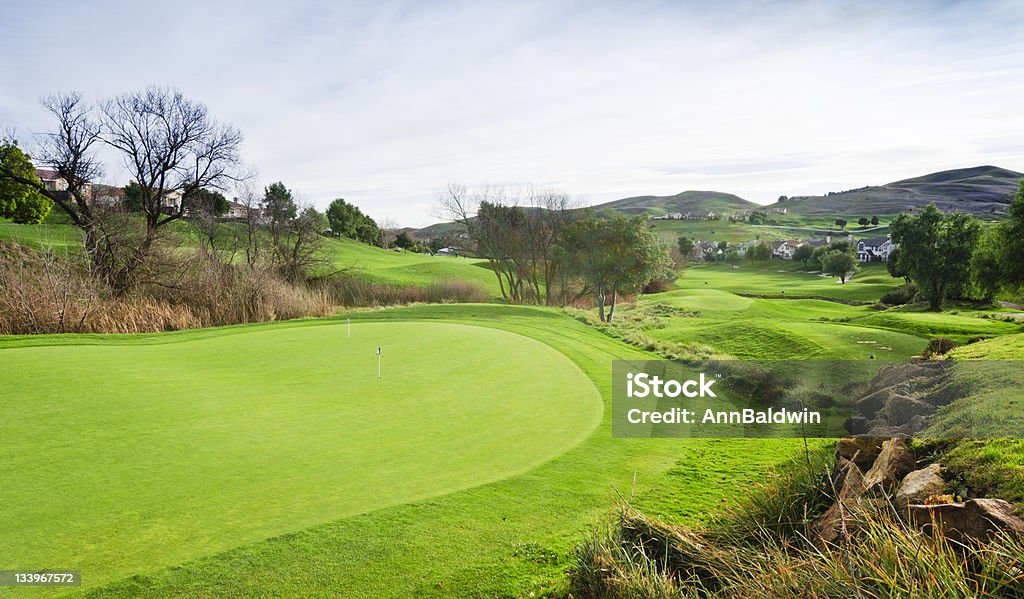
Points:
517	232
298	251
172	147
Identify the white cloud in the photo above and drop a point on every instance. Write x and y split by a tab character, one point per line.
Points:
385	103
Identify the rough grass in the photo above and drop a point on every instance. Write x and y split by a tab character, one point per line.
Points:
761	548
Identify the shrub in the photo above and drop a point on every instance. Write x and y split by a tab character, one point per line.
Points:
904	294
658	286
940	346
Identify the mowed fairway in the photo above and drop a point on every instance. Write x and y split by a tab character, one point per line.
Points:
125	456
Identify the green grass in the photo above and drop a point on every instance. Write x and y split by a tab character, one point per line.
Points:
359	259
784	226
769	329
57	237
784	278
406	268
958	327
288	423
254	444
990	467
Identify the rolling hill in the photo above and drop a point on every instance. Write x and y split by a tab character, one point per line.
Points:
687	201
978	190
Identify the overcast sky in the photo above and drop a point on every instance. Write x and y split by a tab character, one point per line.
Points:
385	103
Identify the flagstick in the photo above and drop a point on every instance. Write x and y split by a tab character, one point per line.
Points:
378	362
349	320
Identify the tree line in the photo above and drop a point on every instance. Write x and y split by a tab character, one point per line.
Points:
951	256
544	249
180	161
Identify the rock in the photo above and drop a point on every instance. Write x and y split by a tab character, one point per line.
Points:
977	519
861	449
869	405
893	374
893	463
849	503
899	409
856	425
879	428
920	485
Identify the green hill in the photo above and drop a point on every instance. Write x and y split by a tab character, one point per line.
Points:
687	201
981	190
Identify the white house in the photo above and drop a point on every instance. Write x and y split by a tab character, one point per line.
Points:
875	249
785	249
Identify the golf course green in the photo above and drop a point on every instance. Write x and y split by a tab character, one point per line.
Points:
125	456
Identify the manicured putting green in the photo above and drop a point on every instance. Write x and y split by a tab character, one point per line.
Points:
125	457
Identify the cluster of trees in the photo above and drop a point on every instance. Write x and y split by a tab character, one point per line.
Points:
949	256
171	147
543	249
19	202
167	143
349	221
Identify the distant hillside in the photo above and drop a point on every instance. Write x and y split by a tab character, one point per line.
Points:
978	190
688	201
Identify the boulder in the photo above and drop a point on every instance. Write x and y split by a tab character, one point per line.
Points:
893	374
977	519
861	449
920	485
856	425
893	463
899	409
869	405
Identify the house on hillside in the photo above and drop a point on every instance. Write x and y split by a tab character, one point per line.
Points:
447	252
51	180
237	211
784	249
742	249
875	249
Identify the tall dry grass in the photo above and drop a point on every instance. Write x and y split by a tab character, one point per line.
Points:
46	293
355	292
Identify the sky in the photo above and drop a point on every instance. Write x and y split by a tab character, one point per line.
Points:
385	103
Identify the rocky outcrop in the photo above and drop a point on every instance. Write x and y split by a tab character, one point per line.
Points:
899	409
891	469
977	519
901	398
894	462
894	374
862	450
919	485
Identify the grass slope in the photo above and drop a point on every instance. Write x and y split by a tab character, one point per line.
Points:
365	261
783	278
